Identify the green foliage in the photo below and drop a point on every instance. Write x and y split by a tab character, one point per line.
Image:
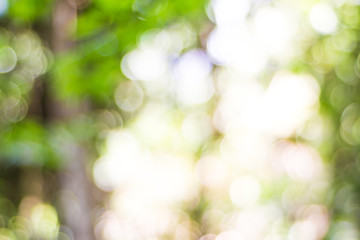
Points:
29	11
26	143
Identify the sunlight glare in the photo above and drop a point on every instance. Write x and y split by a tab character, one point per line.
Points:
273	31
245	191
212	172
236	47
302	163
144	64
317	216
229	12
323	19
154	126
251	222
290	101
119	162
191	78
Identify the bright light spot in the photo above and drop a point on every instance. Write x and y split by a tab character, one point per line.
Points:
145	64
119	163
212	172
8	59
191	76
241	102
142	215
128	96
229	235
154	126
45	222
130	221
238	150
290	101
230	11
251	222
235	46
323	18
273	31
245	191
151	182
221	45
317	216
160	182
195	60
301	162
167	179
112	226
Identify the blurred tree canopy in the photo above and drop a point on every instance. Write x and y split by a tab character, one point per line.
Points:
199	90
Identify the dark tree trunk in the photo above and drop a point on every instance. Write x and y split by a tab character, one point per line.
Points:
75	198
